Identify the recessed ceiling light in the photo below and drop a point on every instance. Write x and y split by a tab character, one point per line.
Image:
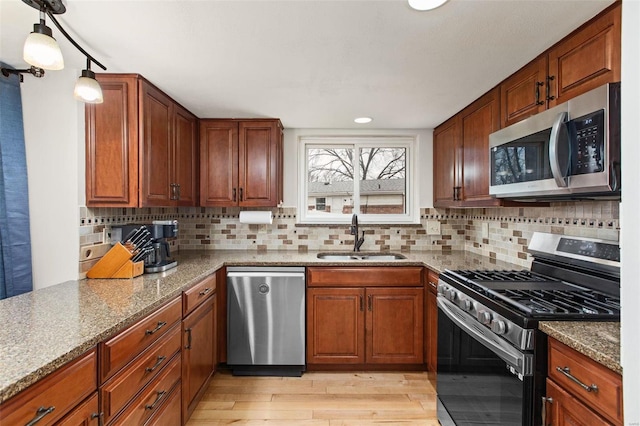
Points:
363	120
426	4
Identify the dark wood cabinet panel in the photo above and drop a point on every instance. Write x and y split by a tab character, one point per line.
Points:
111	175
85	414
335	326
141	147
169	413
353	276
479	120
587	58
157	145
394	323
523	94
447	144
240	163
564	410
198	355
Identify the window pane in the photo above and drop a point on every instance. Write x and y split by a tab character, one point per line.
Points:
383	187
330	177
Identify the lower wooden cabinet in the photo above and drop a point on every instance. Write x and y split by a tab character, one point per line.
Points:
198	354
363	325
55	396
580	391
432	322
85	414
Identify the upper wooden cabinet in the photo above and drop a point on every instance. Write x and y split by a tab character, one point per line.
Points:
241	162
141	147
461	155
587	58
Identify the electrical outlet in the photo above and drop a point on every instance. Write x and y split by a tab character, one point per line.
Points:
433	227
485	229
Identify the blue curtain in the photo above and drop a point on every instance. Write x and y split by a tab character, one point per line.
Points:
15	234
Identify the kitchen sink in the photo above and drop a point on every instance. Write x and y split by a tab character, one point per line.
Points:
360	256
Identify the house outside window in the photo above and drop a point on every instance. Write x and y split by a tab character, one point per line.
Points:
368	176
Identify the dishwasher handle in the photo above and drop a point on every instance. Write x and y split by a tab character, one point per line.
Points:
266	274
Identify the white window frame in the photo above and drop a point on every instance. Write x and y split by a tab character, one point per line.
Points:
412	215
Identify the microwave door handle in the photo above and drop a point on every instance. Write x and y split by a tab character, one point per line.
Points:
554	142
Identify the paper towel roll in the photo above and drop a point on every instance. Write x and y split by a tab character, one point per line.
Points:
256	217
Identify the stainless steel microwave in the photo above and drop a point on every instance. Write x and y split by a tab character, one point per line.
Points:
571	151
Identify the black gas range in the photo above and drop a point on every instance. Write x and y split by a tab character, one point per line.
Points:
491	355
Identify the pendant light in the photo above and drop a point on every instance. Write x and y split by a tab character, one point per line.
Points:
87	88
40	49
42	52
426	4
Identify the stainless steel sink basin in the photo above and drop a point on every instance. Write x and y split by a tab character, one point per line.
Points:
360	256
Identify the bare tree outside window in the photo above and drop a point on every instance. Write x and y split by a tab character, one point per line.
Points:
381	171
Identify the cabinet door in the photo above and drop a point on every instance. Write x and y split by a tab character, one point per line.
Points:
395	323
446	151
479	120
185	160
335	326
258	167
564	410
432	322
218	163
111	173
587	59
157	147
523	94
198	354
85	414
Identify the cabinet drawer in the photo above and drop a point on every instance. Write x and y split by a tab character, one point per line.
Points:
169	414
153	397
123	386
58	392
564	409
404	276
432	281
116	352
607	399
197	294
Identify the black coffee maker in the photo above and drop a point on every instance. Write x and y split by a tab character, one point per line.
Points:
160	258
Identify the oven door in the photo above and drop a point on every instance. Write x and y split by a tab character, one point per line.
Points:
481	379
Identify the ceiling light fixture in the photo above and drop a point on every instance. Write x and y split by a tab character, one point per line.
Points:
363	120
42	51
426	4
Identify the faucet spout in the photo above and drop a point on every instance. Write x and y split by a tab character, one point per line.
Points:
353	230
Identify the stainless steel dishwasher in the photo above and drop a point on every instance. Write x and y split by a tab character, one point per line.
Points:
266	320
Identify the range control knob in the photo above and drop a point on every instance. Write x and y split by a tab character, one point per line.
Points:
498	326
484	317
451	294
465	304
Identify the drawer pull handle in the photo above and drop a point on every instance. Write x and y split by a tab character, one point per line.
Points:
159	396
158	362
544	410
188	346
160	325
370	303
40	413
567	372
99	416
205	291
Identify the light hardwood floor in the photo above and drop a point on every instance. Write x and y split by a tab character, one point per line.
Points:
324	399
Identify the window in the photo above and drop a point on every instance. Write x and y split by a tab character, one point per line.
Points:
370	177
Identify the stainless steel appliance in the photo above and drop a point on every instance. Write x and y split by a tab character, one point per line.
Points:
492	359
567	152
266	320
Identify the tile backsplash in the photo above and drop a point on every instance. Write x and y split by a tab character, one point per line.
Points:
501	233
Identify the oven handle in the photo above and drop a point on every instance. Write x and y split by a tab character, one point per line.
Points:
516	359
554	141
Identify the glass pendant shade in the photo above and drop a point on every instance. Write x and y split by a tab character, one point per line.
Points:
88	89
42	51
426	4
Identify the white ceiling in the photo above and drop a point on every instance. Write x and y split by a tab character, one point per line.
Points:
312	63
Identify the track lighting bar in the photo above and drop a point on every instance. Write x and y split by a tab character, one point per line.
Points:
77	46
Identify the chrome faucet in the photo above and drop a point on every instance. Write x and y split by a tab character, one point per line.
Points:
353	230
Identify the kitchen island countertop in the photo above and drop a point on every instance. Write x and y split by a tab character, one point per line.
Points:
47	328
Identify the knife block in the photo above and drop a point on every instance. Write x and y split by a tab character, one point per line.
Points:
116	263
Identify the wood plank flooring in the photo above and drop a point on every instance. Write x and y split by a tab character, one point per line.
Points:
318	398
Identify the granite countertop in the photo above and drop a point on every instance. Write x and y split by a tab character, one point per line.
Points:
599	341
44	329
